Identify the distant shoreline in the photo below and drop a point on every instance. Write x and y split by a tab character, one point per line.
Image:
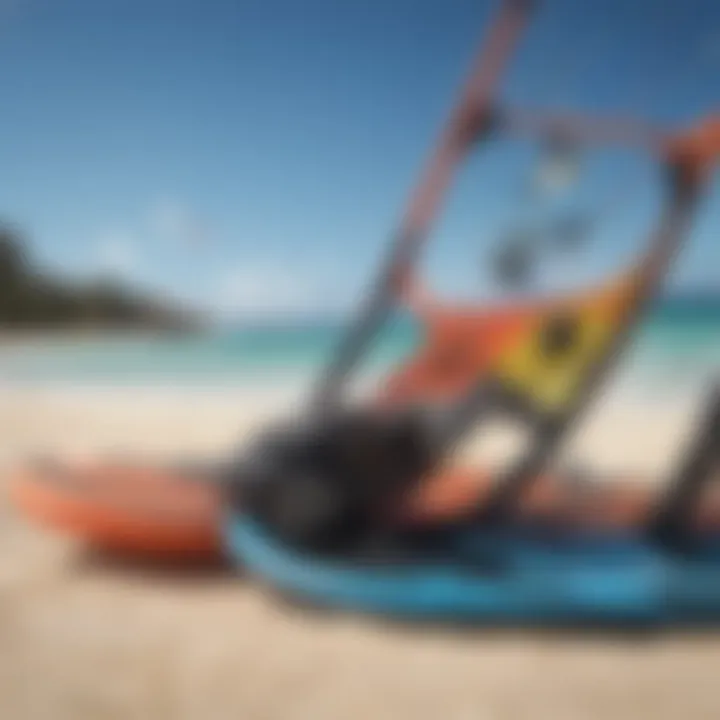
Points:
24	337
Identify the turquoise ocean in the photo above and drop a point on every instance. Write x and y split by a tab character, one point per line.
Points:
677	347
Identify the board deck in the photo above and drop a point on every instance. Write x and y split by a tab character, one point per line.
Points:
126	508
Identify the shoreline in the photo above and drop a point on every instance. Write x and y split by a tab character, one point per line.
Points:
33	337
618	435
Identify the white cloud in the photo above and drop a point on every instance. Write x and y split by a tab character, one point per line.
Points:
116	254
172	222
266	288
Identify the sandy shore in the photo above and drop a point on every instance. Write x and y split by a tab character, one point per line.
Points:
82	639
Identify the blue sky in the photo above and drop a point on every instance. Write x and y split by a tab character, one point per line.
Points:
254	154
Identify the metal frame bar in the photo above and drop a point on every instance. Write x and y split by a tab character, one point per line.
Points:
473	119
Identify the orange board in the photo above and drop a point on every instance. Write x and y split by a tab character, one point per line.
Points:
124	508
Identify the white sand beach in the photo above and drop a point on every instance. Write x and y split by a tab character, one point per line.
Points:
83	639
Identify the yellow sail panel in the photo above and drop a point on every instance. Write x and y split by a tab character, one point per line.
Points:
550	358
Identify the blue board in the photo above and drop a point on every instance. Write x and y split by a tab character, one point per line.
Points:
532	578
